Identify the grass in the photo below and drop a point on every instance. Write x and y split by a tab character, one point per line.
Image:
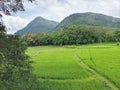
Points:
71	85
57	63
58	70
106	58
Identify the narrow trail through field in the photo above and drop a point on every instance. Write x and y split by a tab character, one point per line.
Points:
96	75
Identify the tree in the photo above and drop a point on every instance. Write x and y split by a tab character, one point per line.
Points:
117	36
39	39
15	66
9	6
2	28
83	35
29	39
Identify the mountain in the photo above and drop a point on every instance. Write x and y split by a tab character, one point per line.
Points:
91	19
39	24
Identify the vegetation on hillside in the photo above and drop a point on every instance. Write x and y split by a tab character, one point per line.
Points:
91	19
40	24
37	25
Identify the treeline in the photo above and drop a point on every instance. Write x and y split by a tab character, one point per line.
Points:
73	35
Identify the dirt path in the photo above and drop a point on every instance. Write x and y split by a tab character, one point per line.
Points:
96	75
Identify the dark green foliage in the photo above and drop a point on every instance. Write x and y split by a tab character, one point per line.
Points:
74	35
81	35
39	24
117	36
84	35
15	67
91	19
35	39
2	28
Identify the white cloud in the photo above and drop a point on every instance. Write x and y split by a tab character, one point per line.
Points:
59	9
14	23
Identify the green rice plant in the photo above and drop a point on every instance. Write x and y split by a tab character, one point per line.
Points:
58	69
106	58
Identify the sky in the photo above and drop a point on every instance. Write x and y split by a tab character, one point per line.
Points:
57	10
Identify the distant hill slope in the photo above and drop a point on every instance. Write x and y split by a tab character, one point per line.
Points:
92	19
39	24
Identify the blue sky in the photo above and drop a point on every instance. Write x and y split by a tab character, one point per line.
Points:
58	9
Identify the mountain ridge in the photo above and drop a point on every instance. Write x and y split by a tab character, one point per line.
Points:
39	24
91	19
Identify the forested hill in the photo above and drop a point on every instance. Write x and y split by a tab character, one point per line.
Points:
91	19
39	24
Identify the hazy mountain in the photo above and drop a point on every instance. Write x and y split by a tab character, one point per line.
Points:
92	19
39	24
